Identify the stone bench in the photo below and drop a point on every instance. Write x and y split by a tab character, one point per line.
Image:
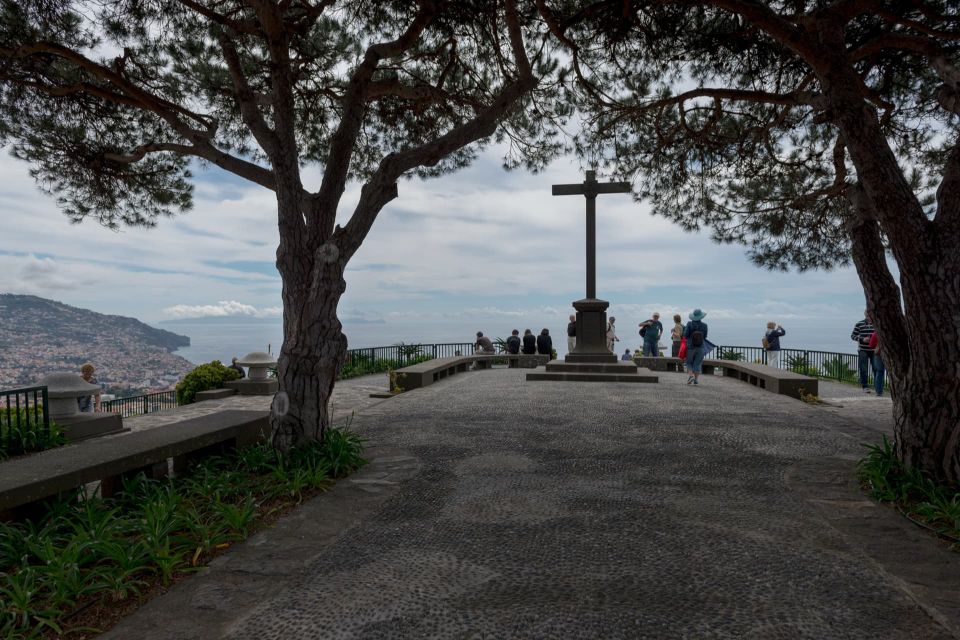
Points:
775	380
28	480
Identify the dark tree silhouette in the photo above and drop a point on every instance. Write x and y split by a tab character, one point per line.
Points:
813	131
111	101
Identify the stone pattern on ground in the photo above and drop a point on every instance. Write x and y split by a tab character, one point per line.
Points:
557	510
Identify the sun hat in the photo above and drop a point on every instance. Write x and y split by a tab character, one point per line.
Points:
697	315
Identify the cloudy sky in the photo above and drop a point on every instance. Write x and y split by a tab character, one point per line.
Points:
481	249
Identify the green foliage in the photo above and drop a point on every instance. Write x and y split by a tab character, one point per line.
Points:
912	491
361	364
729	354
800	364
838	369
102	551
21	432
203	378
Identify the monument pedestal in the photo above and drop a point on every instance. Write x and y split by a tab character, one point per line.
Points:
590	360
591	332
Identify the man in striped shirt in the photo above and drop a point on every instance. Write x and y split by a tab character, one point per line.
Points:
862	332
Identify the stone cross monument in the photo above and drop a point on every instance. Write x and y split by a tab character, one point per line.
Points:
591	312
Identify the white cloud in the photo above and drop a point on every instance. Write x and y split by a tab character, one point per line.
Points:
222	309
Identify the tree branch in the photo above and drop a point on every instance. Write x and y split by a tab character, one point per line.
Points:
947	220
381	188
337	165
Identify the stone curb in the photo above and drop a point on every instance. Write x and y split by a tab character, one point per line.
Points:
221	595
912	559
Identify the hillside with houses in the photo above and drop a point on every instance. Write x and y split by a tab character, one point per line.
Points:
40	336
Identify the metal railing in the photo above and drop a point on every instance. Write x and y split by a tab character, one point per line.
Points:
140	405
828	365
403	353
23	416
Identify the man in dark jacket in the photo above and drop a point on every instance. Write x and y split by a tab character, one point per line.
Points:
513	342
772	336
572	334
529	342
544	343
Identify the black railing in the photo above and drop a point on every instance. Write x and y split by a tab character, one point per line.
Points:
403	353
23	417
140	405
829	365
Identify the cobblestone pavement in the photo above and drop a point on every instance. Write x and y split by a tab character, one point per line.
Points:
349	396
560	510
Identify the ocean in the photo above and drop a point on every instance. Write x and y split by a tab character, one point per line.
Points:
222	339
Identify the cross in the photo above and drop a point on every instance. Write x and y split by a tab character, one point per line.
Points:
590	188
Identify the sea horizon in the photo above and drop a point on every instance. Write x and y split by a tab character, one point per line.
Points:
221	340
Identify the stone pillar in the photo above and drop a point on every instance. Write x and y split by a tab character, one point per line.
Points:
591	332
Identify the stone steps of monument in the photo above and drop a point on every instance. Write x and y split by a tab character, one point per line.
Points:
642	375
622	367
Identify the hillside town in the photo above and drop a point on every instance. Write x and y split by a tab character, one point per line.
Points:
39	336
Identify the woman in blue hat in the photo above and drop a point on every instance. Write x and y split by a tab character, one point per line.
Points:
696	334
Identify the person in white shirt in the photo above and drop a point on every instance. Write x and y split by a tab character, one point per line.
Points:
611	333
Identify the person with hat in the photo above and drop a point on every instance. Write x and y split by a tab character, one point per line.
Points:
696	334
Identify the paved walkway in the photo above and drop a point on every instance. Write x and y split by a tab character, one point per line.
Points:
496	508
349	397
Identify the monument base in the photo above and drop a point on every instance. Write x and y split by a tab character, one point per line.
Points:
557	371
591	332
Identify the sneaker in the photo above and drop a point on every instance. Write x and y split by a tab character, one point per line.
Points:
866	390
695	381
690	380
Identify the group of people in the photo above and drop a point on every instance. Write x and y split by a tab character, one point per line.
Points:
529	344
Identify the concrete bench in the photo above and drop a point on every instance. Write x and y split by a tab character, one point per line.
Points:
25	481
426	373
778	381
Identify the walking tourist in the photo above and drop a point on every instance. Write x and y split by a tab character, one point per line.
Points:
696	335
626	355
572	333
237	368
651	330
771	343
529	342
513	342
483	344
611	333
545	343
879	370
91	403
862	331
676	335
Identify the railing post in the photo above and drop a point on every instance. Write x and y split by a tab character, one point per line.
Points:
146	404
46	411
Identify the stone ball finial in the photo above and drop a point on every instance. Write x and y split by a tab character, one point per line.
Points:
258	363
63	389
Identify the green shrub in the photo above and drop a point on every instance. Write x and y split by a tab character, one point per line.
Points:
727	354
912	492
97	554
838	369
203	378
20	433
362	365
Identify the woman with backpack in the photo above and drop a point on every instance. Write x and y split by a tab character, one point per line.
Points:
696	334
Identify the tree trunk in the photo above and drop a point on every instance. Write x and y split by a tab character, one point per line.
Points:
926	365
314	348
